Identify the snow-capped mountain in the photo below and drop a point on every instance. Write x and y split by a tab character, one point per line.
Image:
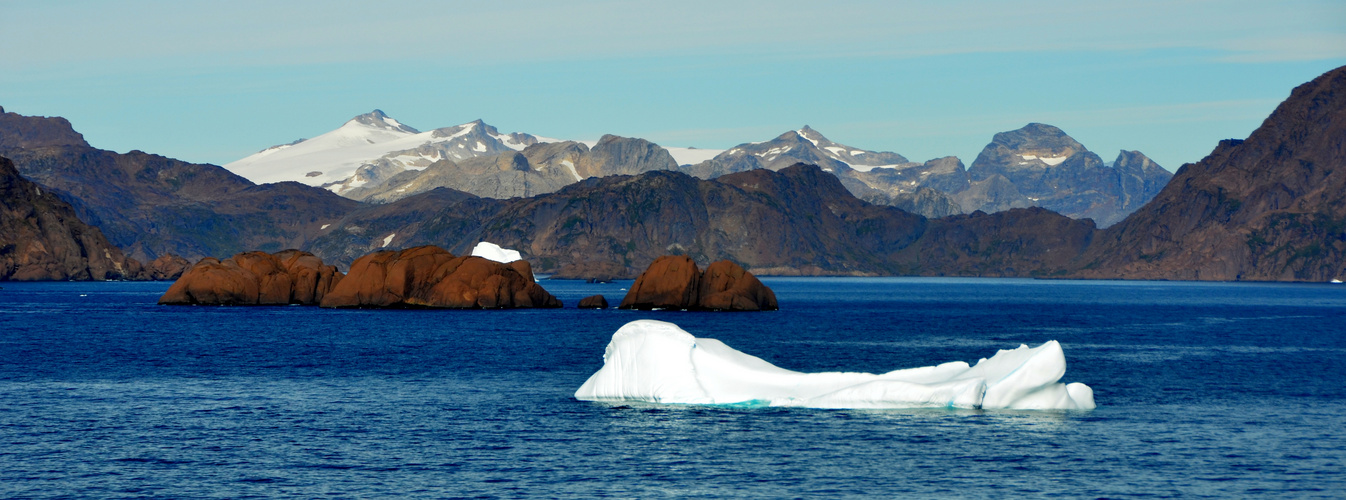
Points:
372	147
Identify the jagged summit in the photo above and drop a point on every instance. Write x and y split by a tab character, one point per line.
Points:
378	119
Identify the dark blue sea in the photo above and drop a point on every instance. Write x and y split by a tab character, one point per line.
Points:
1203	389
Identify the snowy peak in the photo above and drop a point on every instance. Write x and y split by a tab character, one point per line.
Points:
478	131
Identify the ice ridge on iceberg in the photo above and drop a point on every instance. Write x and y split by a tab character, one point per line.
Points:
658	362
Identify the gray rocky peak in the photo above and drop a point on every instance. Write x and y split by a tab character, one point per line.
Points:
378	119
614	155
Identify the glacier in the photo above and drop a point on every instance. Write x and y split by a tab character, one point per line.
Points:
658	362
492	251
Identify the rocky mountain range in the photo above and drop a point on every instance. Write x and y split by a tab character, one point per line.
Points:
1032	166
1267	208
1037	165
540	168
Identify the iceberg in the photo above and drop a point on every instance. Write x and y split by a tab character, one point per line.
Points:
657	362
492	251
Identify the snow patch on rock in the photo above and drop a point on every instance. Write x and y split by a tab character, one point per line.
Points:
492	251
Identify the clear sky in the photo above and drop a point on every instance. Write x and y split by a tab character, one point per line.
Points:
215	81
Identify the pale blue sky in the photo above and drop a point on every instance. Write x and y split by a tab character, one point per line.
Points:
216	81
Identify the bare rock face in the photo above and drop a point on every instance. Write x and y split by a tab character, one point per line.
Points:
254	278
615	155
674	282
594	302
727	287
429	276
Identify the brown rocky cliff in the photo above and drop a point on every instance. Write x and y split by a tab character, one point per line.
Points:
1271	207
41	238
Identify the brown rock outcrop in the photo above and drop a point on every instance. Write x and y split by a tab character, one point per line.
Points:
594	302
429	276
167	267
674	282
254	278
671	282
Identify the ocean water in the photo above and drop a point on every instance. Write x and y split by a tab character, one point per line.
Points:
1203	389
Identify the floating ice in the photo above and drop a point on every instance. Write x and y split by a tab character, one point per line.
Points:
492	251
654	361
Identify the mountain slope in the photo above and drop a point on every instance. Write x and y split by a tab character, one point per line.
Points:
42	239
799	220
150	205
1271	207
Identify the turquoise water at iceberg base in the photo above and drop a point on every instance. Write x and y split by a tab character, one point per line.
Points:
1215	389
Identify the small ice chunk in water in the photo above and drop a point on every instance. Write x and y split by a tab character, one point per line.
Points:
492	251
658	362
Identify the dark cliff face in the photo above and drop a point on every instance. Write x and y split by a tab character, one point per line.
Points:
42	239
151	205
1271	207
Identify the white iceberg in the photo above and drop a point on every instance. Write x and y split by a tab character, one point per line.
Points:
657	362
492	251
